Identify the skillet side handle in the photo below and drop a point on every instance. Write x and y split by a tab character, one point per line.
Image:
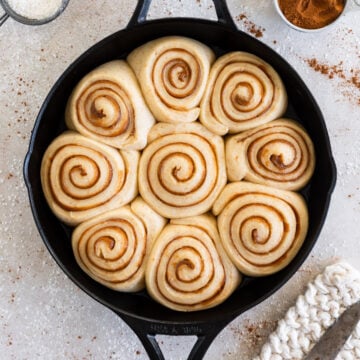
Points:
3	18
140	13
147	331
223	13
142	9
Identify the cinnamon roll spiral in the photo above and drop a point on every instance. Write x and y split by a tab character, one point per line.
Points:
107	105
113	247
182	170
82	177
172	72
188	269
261	228
243	91
279	154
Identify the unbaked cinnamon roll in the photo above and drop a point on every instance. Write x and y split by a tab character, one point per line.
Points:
188	269
261	228
82	178
107	105
243	91
172	72
113	247
279	154
182	169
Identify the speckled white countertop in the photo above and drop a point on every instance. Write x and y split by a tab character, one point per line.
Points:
43	315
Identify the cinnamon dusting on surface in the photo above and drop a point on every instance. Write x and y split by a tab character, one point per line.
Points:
329	70
254	333
251	27
350	79
311	14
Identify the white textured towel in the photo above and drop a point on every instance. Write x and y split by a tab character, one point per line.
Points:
324	300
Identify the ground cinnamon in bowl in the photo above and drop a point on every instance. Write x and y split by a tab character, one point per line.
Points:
311	14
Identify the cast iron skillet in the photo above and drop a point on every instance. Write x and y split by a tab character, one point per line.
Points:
146	317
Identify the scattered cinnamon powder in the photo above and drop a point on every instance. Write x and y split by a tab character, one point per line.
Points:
325	69
350	79
254	333
311	14
251	27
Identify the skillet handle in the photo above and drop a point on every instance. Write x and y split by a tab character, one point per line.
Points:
3	18
142	9
147	331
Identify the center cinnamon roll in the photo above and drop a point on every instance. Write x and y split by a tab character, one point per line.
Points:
182	169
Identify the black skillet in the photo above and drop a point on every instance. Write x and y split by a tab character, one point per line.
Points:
143	315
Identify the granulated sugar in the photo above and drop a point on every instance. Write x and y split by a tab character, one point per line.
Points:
35	9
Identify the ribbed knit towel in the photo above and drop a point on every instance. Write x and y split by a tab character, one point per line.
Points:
324	300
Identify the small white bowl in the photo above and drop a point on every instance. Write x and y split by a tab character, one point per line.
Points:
289	23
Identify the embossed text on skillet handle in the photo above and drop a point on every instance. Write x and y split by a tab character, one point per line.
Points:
147	330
